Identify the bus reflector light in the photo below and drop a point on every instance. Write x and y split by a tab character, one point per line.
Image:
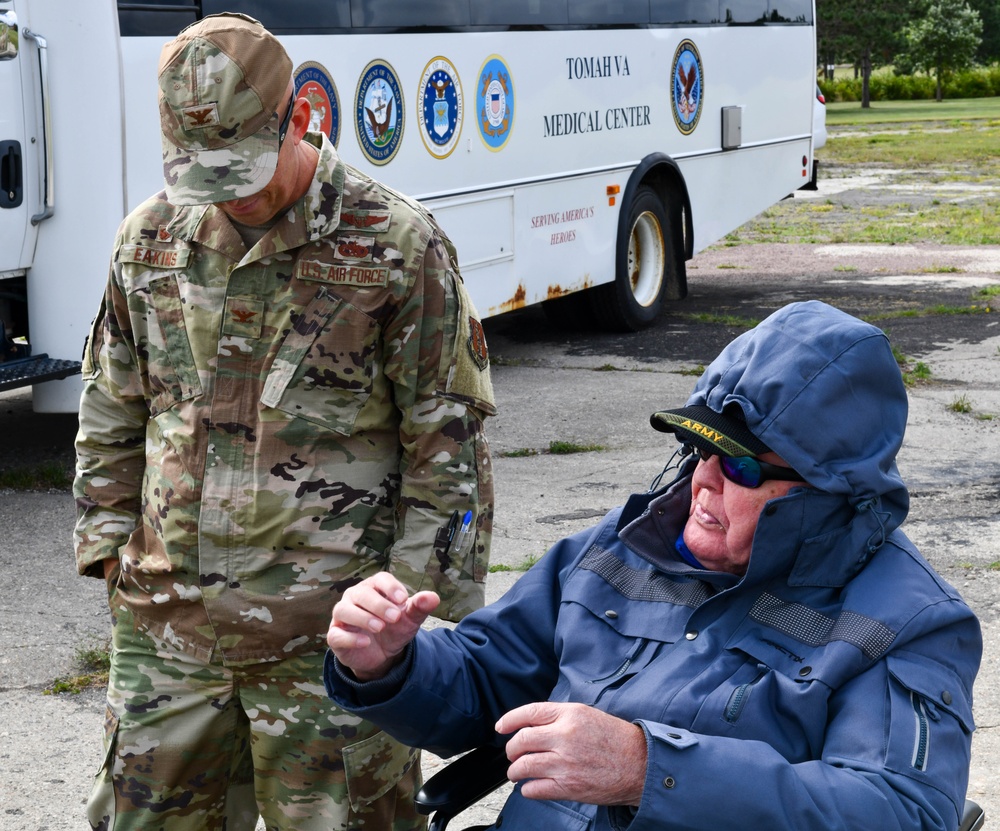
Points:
613	191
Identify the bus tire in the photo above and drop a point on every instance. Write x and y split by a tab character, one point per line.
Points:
644	268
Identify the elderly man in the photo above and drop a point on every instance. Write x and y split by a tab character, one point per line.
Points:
756	645
284	393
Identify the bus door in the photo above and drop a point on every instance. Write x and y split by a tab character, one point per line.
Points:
17	155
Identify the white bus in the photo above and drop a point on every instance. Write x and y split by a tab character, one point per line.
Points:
578	152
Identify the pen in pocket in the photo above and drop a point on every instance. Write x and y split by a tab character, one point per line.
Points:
462	535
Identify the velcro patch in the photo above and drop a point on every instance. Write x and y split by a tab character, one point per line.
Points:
477	344
244	317
342	274
200	116
155	257
356	247
376	221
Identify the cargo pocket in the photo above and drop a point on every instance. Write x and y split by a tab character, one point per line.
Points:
374	766
101	804
324	369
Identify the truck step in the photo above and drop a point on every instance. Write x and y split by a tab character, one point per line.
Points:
34	370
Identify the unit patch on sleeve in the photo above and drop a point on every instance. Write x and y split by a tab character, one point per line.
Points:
477	343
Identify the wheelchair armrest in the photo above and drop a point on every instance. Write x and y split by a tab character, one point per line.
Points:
973	817
464	782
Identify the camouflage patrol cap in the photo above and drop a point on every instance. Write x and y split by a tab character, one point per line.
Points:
222	81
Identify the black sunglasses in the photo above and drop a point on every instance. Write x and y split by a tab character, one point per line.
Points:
283	127
749	471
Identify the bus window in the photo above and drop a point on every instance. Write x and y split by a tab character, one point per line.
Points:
164	18
790	11
744	11
519	14
684	11
608	12
405	14
289	16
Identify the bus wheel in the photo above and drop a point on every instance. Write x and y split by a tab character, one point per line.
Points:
634	300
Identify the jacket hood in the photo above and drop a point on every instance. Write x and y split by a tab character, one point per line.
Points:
823	390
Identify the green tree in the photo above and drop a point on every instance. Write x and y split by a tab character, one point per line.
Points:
944	39
989	13
865	32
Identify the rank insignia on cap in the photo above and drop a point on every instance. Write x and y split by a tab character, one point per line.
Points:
200	115
163	235
477	344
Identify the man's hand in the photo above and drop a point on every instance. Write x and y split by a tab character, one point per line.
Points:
373	623
575	752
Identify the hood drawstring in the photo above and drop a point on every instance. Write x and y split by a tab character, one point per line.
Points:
881	517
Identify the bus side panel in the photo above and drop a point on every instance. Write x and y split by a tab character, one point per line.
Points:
70	265
585	104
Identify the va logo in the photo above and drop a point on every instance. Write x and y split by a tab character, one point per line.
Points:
315	85
686	87
379	110
495	103
441	108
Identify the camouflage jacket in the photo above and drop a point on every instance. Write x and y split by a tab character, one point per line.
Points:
260	429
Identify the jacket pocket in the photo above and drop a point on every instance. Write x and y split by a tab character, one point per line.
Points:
374	766
930	723
170	368
325	368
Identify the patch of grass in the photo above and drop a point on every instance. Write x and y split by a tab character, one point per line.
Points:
527	563
45	476
698	371
845	268
962	404
989	291
985	416
94	663
724	320
520	452
942	269
940	309
893	112
563	448
994	566
606	368
726	265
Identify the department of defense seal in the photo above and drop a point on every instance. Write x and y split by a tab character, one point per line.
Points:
495	103
686	87
316	85
441	108
379	112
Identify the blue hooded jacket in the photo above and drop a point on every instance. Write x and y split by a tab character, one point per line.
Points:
828	687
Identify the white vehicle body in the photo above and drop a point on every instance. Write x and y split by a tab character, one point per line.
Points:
560	162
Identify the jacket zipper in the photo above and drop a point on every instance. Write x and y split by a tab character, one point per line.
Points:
740	695
922	739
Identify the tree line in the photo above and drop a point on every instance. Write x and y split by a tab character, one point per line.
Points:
936	37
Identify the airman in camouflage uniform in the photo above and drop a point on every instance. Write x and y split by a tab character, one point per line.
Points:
284	393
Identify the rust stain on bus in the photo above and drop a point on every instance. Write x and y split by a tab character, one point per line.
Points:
516	302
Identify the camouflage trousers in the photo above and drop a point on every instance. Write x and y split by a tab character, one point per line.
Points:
191	746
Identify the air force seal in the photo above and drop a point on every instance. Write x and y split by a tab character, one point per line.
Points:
686	87
441	109
315	84
379	112
495	103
